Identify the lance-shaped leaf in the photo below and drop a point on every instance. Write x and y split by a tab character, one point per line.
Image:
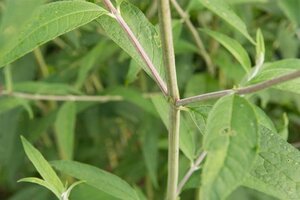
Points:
47	23
277	169
231	141
65	128
279	68
97	178
51	179
233	46
223	10
143	30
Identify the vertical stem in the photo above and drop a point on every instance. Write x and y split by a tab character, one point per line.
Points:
41	62
8	79
174	114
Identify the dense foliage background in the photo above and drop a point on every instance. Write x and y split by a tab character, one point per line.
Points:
127	136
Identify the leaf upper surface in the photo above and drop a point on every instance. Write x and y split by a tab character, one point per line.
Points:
98	178
231	141
277	169
49	21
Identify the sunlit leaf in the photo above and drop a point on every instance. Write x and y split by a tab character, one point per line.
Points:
277	169
47	23
97	178
145	32
43	167
231	141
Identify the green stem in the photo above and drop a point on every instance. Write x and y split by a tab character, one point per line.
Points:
173	93
8	79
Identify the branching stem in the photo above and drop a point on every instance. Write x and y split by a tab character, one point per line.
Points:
245	90
165	22
195	166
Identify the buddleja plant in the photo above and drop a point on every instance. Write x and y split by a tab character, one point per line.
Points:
239	143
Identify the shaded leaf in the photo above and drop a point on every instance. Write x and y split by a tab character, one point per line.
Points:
233	46
65	129
223	10
187	144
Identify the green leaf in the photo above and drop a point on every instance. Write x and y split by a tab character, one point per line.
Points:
279	68
277	169
187	144
97	178
47	23
231	141
223	10
291	9
8	103
150	135
45	88
43	167
233	46
97	55
41	182
145	32
65	128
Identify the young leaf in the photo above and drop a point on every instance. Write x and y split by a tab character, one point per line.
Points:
279	68
223	10
231	141
41	182
47	23
97	178
145	32
43	167
233	46
65	128
277	169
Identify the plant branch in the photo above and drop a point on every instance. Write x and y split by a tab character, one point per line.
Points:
201	49
195	166
158	79
245	90
60	97
165	22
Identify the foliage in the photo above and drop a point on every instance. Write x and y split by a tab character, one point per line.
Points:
83	85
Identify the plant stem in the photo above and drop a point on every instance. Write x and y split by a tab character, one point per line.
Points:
201	49
195	166
245	90
8	78
41	62
60	98
165	21
158	79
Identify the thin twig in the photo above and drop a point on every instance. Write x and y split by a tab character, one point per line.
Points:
244	90
195	166
201	49
61	97
165	21
158	79
41	62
